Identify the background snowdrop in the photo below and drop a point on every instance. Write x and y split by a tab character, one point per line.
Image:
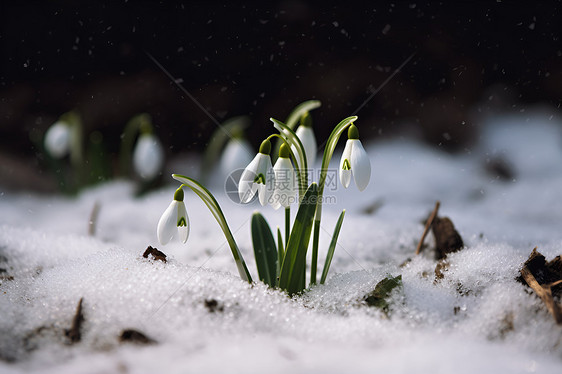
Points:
57	139
308	140
148	156
236	155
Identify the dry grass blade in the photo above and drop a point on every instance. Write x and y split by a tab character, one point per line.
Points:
544	293
74	334
427	227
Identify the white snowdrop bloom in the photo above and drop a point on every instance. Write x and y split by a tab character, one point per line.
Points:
174	220
258	177
285	191
308	140
148	156
354	160
57	139
236	155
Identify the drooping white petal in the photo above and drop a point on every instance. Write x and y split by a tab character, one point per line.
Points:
360	165
345	164
267	176
167	225
274	202
148	156
182	222
57	140
236	155
246	187
262	194
285	183
308	140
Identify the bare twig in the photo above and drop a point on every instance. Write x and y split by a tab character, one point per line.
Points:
427	227
544	292
554	283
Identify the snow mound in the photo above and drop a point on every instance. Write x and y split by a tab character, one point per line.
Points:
470	315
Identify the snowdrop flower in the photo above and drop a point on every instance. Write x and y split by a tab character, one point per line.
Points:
354	160
236	155
308	140
174	217
57	139
285	191
258	177
148	156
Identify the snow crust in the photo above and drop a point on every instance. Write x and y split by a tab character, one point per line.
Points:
475	319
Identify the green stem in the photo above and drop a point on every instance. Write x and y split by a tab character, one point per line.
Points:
79	172
216	211
133	127
287	223
328	153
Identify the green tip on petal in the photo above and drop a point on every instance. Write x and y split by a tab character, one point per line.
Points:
352	132
346	165
259	179
178	195
306	120
284	151
265	147
182	222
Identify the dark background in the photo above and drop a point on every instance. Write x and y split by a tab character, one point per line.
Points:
261	60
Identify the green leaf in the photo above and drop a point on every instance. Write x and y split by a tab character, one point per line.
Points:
128	138
265	250
293	268
216	211
378	297
332	248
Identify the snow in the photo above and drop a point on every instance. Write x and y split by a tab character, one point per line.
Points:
475	319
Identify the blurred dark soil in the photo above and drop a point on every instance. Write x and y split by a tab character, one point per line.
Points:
261	60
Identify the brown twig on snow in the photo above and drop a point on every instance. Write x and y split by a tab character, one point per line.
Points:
427	227
544	292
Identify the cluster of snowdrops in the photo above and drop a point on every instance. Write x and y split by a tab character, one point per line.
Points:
281	258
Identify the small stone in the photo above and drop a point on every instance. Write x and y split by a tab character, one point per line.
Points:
213	306
135	336
160	256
